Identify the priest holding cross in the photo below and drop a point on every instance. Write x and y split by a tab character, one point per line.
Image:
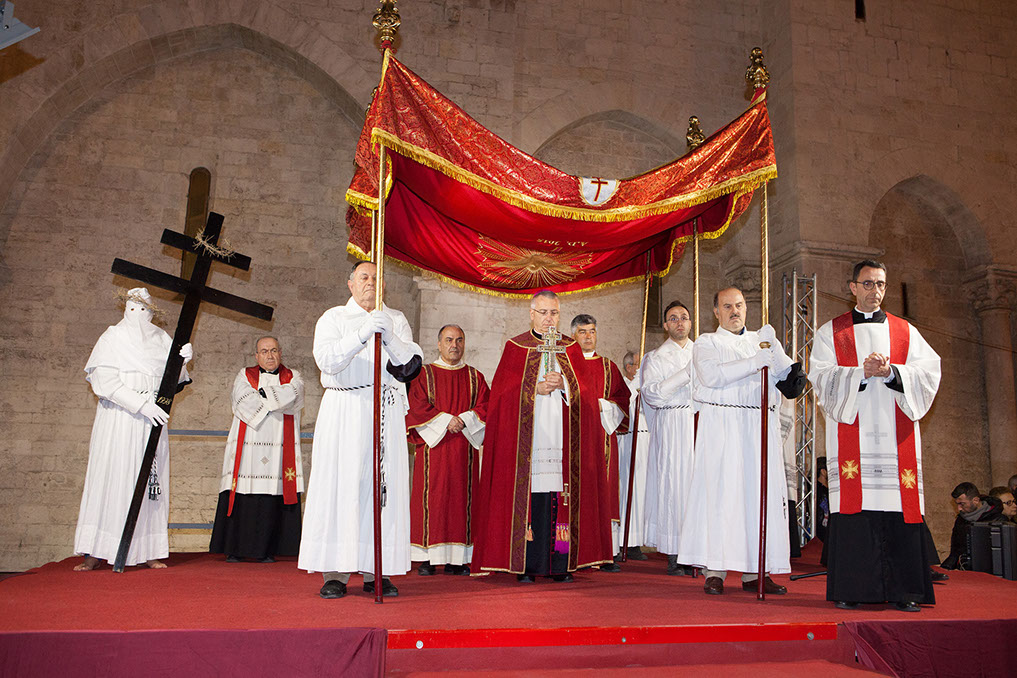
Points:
539	510
875	377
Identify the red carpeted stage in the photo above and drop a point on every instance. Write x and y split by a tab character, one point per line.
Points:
204	617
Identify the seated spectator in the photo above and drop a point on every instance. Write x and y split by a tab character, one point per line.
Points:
972	507
822	499
1012	484
1009	506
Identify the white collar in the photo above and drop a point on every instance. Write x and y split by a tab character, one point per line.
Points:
589	354
868	316
440	362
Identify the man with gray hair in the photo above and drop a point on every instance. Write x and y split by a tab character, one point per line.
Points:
538	510
258	515
630	373
605	381
448	406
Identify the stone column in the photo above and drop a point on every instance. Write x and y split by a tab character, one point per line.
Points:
993	294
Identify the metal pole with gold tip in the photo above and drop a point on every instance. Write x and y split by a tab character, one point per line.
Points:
694	138
758	77
635	418
386	22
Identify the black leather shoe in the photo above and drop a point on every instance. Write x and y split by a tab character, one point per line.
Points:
333	589
459	569
425	569
714	586
908	607
845	605
635	553
388	589
610	567
768	587
566	578
676	571
266	559
525	578
232	559
938	576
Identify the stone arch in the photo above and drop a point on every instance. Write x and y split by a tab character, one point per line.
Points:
943	201
158	33
614	143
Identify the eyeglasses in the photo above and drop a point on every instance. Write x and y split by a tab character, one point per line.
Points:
869	284
676	319
542	312
1008	503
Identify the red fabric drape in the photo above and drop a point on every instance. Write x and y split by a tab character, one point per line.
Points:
465	204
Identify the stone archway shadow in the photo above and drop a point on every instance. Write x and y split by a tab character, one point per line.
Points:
159	33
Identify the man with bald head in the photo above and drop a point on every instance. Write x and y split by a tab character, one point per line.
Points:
539	510
720	528
258	515
338	530
448	406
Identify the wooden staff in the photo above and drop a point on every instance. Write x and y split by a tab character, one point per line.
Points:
377	250
635	420
764	402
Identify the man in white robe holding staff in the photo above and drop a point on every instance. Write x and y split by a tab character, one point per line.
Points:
666	376
720	529
338	530
875	377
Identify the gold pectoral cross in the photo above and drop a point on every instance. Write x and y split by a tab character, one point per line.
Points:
565	495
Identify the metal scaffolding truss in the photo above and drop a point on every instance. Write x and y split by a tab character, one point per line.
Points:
799	331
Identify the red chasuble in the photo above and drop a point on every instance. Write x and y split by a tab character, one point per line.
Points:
444	477
501	512
605	381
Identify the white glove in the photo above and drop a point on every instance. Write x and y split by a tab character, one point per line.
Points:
779	361
383	324
766	333
366	330
155	414
764	358
187	352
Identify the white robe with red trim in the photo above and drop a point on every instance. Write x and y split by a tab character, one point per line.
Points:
837	391
261	460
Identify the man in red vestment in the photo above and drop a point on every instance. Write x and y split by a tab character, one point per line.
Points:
539	509
448	406
612	393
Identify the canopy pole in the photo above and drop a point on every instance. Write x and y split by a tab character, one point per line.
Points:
386	23
694	138
635	419
758	77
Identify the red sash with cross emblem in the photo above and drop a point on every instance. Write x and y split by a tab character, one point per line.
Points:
848	435
289	459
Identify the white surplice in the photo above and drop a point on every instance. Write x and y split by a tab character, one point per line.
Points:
124	370
262	457
837	391
720	528
625	464
546	458
666	376
338	528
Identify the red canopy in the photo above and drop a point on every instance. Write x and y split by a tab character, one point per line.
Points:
468	206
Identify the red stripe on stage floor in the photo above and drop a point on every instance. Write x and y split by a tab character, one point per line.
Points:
408	639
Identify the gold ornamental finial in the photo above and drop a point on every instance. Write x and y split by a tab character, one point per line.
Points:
386	22
694	136
756	74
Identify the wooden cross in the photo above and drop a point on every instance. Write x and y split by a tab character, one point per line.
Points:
194	291
550	347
